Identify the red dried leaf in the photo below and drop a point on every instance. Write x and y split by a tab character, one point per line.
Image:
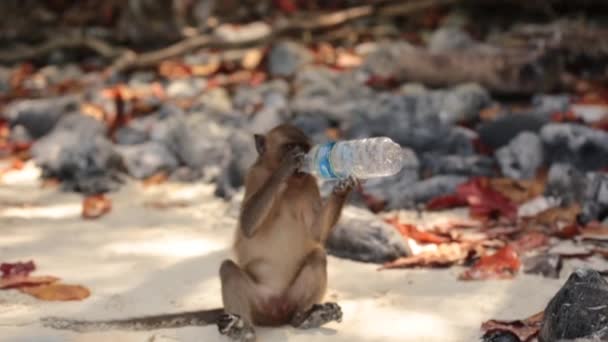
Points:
19	281
95	206
446	255
530	241
17	268
503	264
410	231
525	329
445	202
595	231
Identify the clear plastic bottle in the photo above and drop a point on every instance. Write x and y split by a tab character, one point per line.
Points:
361	158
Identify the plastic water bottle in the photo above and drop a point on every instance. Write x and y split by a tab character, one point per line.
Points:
361	158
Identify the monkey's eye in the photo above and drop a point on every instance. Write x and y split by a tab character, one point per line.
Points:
290	146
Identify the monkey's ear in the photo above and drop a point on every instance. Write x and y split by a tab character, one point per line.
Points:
260	143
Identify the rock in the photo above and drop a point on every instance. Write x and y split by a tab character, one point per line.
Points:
578	310
144	160
522	157
5	79
216	100
129	135
383	62
450	38
425	190
185	88
362	236
197	141
500	336
582	146
551	103
547	265
77	153
595	198
473	165
566	183
37	117
314	126
239	156
499	132
285	58
463	103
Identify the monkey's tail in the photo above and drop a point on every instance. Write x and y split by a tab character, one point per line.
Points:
177	320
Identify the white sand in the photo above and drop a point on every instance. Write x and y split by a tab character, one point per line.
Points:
143	261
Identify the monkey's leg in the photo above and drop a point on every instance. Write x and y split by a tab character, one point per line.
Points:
308	290
237	292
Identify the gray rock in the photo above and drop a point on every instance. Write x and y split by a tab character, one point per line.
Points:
129	135
239	156
582	146
362	236
425	190
285	58
185	88
144	160
37	117
314	126
463	103
473	165
450	38
551	103
499	132
578	310
595	198
77	153
522	157
565	182
547	265
384	61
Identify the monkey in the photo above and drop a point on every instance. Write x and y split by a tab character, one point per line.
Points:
279	272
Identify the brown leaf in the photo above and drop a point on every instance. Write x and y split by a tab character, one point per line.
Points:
410	231
445	255
21	281
173	69
530	241
252	59
560	221
503	264
518	191
209	68
525	329
595	231
57	292
155	179
95	206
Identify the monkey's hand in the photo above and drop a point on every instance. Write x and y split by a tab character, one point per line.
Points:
345	186
293	160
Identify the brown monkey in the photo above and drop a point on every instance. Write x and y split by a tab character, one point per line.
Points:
279	275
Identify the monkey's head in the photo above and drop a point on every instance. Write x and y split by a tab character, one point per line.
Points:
278	142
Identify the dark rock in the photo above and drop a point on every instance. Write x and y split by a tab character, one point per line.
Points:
578	310
144	160
500	336
547	265
473	165
37	117
285	58
522	157
595	198
450	38
77	153
565	182
499	132
362	236
582	146
239	156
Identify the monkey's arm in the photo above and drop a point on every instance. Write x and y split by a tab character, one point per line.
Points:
263	198
332	210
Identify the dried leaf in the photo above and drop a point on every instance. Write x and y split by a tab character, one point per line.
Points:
17	268
410	231
445	255
209	68
595	231
525	329
503	264
445	202
518	191
155	179
57	292
95	206
21	281
530	241
348	60
252	59
173	69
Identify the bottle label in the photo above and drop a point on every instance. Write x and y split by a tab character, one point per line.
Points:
323	156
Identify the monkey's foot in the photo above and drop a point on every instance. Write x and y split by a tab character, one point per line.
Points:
235	328
317	316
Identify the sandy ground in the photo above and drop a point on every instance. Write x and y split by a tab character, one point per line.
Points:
139	260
